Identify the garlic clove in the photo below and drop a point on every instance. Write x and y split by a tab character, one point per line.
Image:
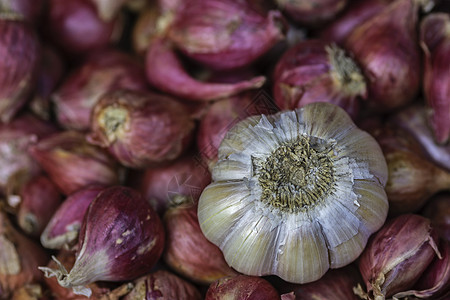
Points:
302	251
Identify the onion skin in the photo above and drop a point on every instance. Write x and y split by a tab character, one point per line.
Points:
397	255
392	69
16	164
241	287
355	14
163	285
188	252
435	43
19	259
312	12
102	71
315	71
438	211
63	227
63	26
162	183
140	128
72	163
40	199
121	238
213	32
20	52
165	72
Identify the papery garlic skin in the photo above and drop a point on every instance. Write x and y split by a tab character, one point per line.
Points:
287	231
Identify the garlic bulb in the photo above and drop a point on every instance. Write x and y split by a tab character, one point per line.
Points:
295	193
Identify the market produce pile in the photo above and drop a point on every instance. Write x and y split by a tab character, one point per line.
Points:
224	149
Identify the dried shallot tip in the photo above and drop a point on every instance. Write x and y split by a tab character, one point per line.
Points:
187	251
223	114
140	128
67	259
413	178
62	26
295	193
335	284
40	198
151	23
102	71
72	163
165	72
354	14
63	228
438	211
29	10
316	71
32	291
50	73
121	238
163	285
108	10
435	43
312	12
435	282
397	256
414	120
392	69
19	259
241	287
212	32
161	184
16	164
20	53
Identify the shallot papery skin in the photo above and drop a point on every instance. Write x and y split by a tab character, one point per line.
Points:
241	287
188	252
225	34
436	279
51	70
16	164
64	225
397	256
355	14
435	43
414	120
20	53
75	27
19	258
30	10
316	71
102	71
40	199
72	163
386	48
312	12
223	114
163	285
161	184
336	284
165	72
139	129
121	238
438	211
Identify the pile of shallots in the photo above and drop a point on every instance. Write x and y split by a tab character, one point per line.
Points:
112	113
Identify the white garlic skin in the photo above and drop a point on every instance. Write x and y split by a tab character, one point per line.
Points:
297	243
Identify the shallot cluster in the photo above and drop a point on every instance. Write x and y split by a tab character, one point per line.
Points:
224	149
